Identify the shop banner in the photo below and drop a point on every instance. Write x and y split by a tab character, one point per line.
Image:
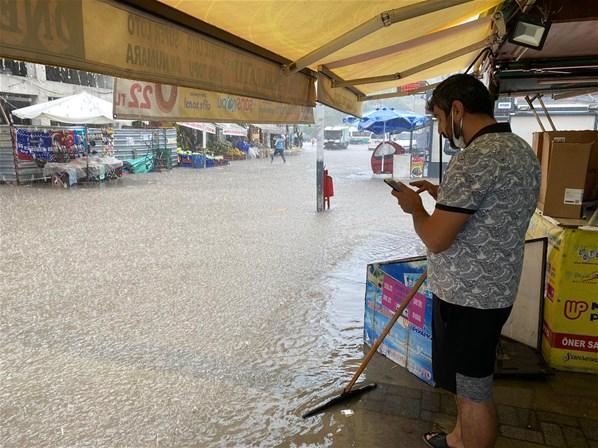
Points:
108	37
340	98
49	145
149	101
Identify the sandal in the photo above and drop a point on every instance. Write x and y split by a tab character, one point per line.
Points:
435	439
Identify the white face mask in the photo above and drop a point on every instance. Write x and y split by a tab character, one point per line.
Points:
457	142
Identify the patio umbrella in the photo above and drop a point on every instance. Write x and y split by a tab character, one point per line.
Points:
383	120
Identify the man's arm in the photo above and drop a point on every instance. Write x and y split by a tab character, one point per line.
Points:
437	231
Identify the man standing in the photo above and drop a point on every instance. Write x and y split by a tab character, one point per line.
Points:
475	240
278	149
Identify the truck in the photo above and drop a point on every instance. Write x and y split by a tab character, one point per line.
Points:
336	137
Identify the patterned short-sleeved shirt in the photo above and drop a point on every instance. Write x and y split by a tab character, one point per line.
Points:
496	179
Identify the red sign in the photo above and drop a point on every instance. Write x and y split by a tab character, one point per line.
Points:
571	341
412	86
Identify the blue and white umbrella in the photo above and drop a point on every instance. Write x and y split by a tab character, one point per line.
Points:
383	120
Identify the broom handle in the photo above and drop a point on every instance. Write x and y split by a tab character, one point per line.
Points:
385	332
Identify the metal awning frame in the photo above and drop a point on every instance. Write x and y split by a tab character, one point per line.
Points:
384	19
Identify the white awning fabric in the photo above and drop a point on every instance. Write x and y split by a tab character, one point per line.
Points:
232	129
206	127
81	108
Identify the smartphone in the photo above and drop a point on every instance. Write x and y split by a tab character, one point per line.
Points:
393	184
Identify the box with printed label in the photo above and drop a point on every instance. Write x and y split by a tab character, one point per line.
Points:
388	284
570	327
569	161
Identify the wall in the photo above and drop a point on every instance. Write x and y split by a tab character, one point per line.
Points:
525	125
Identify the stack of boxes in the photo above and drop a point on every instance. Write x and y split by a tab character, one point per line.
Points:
569	161
409	343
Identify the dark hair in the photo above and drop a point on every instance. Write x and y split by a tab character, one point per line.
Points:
466	88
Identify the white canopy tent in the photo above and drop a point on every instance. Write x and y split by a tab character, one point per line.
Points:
81	108
204	127
232	129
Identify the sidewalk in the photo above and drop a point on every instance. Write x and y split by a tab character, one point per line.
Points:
559	412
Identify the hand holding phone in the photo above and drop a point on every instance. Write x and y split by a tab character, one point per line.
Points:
395	185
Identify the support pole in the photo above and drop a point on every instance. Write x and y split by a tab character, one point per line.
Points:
533	109
320	159
204	137
546	113
413	70
13	138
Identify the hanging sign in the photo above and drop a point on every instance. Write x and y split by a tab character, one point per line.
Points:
341	99
149	101
108	37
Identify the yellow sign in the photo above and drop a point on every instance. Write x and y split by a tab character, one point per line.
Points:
338	98
108	37
148	101
570	330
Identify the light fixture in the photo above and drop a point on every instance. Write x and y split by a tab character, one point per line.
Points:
529	32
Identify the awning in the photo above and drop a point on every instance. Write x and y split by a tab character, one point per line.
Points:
205	127
344	39
115	38
232	129
81	108
265	49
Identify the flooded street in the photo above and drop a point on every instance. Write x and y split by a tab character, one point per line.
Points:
191	308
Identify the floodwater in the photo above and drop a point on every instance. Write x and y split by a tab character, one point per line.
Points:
191	308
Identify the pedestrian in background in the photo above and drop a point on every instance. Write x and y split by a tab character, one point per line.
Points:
279	149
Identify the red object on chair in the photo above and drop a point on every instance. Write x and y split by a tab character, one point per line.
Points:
328	189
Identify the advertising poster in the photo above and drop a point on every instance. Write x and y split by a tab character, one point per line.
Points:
417	166
50	145
409	343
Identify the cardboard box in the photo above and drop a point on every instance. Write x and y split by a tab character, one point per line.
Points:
409	343
591	173
567	175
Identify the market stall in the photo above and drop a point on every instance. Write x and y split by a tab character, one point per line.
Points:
69	155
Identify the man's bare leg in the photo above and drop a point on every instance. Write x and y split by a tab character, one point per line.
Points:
454	438
478	423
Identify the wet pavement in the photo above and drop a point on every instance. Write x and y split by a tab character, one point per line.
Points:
210	308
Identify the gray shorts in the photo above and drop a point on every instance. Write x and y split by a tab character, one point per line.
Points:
475	389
